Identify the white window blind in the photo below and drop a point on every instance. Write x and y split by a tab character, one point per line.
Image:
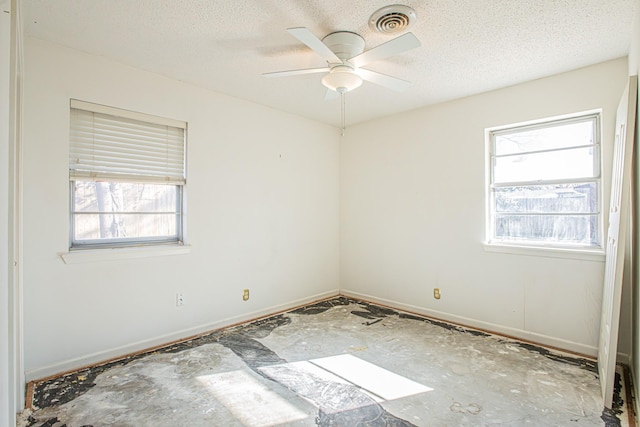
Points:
108	144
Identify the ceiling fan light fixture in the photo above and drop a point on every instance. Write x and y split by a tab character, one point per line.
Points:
342	79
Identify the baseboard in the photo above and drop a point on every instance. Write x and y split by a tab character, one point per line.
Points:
533	337
137	347
623	358
123	351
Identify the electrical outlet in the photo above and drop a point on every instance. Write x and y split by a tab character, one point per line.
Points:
245	295
179	300
436	293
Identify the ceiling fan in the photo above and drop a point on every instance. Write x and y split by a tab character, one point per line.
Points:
345	56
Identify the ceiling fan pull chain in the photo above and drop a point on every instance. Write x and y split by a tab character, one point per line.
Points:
342	113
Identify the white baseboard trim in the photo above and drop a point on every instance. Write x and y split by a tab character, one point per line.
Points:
623	358
123	351
533	337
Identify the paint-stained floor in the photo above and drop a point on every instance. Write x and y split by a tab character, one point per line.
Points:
335	363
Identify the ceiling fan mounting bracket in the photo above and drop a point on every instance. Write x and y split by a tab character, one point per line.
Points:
345	44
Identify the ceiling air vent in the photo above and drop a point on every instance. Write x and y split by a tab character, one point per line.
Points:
392	19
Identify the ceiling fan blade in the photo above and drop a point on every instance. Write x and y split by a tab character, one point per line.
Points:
308	38
384	80
392	47
296	72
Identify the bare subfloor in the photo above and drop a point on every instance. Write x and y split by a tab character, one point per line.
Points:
335	363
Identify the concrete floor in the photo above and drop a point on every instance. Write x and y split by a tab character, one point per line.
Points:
335	363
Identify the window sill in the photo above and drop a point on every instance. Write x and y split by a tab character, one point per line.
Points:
578	254
110	254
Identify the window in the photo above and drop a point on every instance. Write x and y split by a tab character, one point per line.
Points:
544	184
127	177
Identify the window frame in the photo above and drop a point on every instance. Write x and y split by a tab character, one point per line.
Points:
180	185
491	241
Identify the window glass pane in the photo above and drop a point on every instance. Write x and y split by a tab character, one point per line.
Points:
568	229
108	211
123	226
564	164
545	138
545	183
90	196
558	198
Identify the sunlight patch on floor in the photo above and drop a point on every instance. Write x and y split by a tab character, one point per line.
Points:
370	377
250	402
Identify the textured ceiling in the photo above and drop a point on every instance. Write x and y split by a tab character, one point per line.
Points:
468	46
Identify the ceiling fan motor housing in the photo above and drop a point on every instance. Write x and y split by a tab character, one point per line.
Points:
344	44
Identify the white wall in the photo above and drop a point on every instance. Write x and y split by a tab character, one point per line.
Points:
413	212
262	214
266	212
